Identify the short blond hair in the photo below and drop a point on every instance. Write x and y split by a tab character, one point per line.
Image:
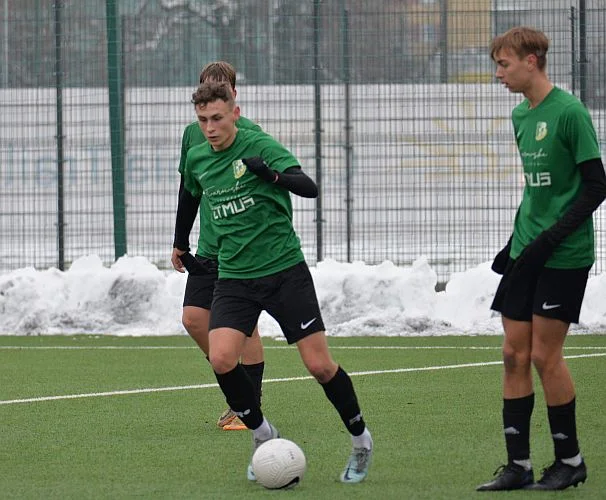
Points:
523	41
219	71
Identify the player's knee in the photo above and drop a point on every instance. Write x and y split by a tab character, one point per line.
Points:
187	321
193	323
222	362
515	360
322	371
543	360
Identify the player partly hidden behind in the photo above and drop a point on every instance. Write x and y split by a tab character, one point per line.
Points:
546	263
247	177
202	269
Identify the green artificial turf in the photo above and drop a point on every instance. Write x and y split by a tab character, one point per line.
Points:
436	424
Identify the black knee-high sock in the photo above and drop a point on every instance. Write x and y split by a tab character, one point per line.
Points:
240	396
255	372
562	421
340	391
516	426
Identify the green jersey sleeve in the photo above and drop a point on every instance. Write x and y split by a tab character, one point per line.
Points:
275	154
184	149
580	132
189	179
192	136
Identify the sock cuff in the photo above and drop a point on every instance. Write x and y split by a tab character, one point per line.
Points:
338	376
571	405
519	404
236	372
254	367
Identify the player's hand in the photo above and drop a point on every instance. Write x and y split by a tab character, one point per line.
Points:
258	167
176	261
500	261
534	257
183	261
193	265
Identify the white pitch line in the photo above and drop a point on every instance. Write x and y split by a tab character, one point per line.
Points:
403	348
92	347
104	394
272	380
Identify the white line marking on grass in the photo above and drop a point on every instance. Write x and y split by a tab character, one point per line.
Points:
395	347
94	347
111	393
470	348
288	379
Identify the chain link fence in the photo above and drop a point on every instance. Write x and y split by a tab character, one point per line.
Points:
391	106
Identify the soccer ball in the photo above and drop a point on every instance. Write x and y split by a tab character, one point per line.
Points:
278	463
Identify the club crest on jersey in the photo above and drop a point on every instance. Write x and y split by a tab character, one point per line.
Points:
541	132
239	168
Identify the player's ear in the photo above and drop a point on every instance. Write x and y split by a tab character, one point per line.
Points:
532	60
237	112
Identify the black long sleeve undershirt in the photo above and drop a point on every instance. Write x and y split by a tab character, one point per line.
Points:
297	182
187	210
592	195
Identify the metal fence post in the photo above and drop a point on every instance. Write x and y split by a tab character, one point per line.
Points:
583	51
116	125
59	127
573	51
348	127
318	128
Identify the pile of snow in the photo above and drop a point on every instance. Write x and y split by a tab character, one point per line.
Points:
134	297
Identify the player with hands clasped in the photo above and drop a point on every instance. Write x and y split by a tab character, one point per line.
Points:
546	262
247	177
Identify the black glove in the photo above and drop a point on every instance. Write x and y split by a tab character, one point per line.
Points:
534	256
258	167
500	261
191	264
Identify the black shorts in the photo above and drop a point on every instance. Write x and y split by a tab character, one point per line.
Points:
201	285
288	296
553	293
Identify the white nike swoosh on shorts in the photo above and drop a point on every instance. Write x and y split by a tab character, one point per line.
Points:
547	307
305	325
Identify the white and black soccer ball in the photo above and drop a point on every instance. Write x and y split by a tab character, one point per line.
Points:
279	463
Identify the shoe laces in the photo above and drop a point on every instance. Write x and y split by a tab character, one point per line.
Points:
361	457
551	470
227	413
259	442
504	469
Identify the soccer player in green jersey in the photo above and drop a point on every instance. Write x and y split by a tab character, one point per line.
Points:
546	263
247	177
203	270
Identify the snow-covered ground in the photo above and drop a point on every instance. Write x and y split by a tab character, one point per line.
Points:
134	297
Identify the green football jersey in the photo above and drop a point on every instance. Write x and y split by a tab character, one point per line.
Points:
552	140
252	218
193	136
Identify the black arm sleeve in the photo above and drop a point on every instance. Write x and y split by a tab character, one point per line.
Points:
297	182
181	185
187	210
592	194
